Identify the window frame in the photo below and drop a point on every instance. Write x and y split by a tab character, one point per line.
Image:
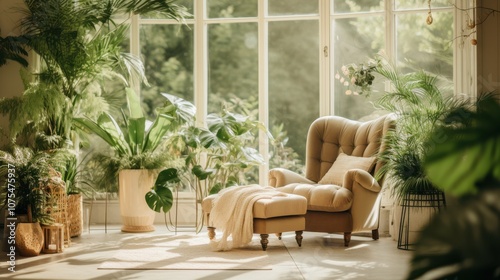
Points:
463	59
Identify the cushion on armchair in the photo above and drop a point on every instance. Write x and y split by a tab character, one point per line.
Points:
344	163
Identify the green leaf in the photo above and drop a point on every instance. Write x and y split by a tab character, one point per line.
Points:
201	173
471	152
134	104
179	109
160	197
136	131
157	131
108	124
107	129
216	188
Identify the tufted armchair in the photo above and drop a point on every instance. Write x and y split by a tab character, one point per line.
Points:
339	183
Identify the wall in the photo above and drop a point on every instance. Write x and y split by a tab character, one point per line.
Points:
10	80
488	47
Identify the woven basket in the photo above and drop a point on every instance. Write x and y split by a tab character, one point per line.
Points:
29	239
75	214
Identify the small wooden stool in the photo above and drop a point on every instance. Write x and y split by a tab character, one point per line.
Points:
53	236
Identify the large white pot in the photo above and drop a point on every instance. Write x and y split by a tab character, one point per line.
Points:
135	213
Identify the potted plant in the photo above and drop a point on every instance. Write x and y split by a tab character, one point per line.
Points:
24	197
215	157
80	50
138	152
462	242
420	101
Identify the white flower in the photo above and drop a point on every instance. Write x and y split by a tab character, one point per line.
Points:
348	92
353	80
337	76
344	68
355	93
342	80
346	83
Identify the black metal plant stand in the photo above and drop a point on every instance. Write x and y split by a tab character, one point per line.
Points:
429	199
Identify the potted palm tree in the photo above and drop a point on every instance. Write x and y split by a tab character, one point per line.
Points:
80	51
420	101
138	152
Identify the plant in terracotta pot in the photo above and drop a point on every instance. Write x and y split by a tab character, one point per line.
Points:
138	151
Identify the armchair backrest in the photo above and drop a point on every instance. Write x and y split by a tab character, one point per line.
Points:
331	135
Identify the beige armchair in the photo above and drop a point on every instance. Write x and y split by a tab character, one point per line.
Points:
339	183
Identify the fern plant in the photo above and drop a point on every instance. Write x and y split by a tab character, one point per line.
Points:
29	169
420	101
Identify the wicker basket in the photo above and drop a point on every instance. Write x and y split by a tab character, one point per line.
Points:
75	214
29	239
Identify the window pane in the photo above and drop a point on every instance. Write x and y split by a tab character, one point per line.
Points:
355	40
231	8
167	51
292	7
428	47
293	81
185	3
414	4
354	6
233	62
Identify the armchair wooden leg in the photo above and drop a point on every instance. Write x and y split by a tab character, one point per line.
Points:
347	238
211	232
279	235
375	234
264	241
298	237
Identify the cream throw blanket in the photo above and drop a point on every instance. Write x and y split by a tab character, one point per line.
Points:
232	212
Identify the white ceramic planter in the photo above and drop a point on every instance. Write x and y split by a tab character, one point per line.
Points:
135	213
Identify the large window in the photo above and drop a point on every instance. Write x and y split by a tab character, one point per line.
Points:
279	58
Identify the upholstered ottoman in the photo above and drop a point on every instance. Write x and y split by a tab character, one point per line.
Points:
270	215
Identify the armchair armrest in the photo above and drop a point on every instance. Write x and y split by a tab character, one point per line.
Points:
279	177
366	199
361	178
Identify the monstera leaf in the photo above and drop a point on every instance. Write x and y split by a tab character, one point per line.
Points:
160	197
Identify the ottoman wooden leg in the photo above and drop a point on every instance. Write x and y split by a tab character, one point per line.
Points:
298	237
278	235
347	238
211	232
264	241
375	234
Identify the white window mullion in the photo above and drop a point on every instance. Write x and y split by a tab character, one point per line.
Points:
390	30
200	63
263	88
325	98
135	46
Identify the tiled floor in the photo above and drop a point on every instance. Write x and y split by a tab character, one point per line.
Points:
321	256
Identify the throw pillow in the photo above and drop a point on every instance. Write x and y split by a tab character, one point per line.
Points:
344	163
